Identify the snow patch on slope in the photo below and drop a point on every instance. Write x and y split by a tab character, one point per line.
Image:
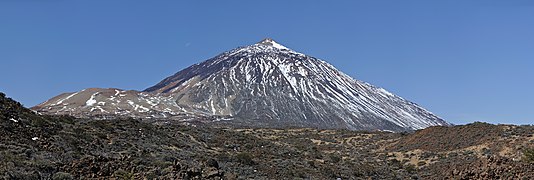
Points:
66	98
92	100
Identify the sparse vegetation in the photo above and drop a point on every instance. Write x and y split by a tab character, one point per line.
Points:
62	147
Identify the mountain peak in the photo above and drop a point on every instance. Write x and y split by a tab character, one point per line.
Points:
271	42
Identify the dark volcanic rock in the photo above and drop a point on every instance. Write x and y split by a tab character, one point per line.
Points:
61	147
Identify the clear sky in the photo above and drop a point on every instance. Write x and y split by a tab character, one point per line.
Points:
464	60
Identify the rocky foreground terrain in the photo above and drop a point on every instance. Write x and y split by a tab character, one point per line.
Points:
34	146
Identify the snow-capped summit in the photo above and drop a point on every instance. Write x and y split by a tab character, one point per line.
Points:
271	42
260	85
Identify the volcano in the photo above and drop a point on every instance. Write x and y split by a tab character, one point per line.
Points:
261	85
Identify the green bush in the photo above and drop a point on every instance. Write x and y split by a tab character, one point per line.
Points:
62	176
529	155
121	174
410	168
245	158
335	158
38	122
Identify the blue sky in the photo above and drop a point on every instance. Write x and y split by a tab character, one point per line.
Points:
465	60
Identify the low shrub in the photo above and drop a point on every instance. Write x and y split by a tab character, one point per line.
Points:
62	176
529	155
335	158
410	168
245	158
